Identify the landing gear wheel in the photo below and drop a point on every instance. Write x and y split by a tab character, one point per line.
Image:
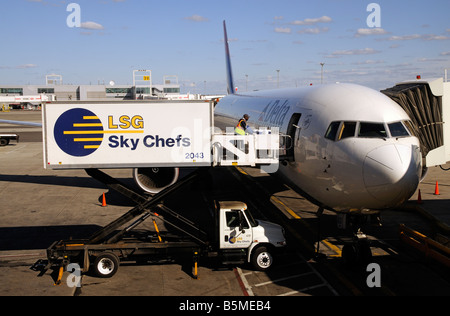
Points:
357	253
262	259
106	265
349	254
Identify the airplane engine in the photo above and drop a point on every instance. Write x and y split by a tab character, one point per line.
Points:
154	180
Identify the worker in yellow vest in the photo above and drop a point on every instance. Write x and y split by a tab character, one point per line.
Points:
242	125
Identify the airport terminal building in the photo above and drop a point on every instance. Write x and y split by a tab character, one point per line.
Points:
142	88
100	92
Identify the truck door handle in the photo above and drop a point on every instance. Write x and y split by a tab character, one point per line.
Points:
226	238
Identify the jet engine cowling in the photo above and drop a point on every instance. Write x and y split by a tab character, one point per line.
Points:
154	180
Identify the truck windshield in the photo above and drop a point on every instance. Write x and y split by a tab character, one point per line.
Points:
250	218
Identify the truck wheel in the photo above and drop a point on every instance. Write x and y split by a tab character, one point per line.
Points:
4	141
106	265
262	259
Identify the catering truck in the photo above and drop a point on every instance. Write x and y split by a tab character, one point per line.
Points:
232	237
155	139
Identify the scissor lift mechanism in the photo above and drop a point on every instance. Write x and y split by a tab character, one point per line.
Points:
111	243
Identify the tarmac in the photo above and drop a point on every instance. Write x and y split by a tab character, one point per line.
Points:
39	206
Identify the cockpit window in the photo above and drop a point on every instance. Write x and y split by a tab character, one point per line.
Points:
397	129
332	130
336	131
347	130
410	128
372	130
340	130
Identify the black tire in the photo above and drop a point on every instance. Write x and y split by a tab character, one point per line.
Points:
349	254
357	253
4	141
106	265
262	259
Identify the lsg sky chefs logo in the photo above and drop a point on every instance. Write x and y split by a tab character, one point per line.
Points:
79	132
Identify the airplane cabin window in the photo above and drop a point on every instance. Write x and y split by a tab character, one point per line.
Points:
348	130
398	130
372	130
332	130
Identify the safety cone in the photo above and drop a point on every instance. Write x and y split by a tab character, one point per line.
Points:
436	189
103	200
419	198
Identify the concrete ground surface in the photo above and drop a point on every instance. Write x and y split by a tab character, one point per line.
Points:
40	206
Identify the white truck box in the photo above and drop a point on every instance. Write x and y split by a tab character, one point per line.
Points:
127	135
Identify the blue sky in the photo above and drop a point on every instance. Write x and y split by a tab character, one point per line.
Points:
184	38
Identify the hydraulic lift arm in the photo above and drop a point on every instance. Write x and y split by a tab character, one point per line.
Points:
101	235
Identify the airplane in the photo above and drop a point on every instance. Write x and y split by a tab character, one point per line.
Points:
351	151
352	148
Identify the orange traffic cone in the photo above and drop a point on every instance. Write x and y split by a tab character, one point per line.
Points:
419	198
103	200
436	189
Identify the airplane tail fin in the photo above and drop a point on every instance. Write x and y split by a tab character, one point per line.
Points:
228	62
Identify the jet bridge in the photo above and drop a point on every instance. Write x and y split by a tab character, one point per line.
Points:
427	103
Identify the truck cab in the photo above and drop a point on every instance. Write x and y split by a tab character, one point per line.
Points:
244	239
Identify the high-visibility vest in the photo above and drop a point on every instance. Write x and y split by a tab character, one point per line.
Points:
239	130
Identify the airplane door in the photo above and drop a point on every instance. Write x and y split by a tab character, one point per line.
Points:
293	133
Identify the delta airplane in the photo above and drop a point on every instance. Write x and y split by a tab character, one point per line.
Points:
351	148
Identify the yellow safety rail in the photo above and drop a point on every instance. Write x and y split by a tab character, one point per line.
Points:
429	247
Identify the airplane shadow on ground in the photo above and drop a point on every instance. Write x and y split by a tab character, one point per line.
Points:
83	182
112	197
41	237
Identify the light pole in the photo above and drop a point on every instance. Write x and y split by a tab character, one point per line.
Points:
278	78
321	74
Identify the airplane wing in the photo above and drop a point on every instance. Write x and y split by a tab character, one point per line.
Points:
21	123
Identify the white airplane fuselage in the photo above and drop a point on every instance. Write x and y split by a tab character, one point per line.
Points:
352	149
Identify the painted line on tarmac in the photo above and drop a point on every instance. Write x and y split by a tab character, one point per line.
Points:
245	287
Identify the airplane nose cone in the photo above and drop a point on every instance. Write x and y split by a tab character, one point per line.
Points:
392	173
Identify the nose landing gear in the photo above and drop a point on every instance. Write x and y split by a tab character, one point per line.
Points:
358	251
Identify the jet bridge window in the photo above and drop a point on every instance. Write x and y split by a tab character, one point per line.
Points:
372	130
397	129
